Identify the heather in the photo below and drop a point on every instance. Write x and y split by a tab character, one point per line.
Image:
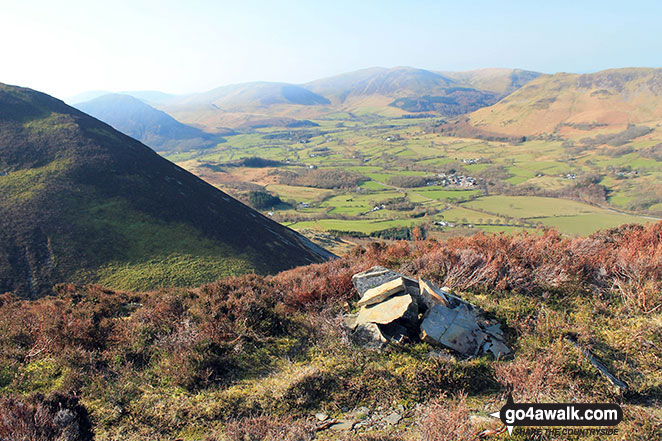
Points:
255	357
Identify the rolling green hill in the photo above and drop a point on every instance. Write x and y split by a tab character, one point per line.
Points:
152	127
82	202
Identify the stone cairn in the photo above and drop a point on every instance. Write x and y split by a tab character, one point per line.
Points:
396	309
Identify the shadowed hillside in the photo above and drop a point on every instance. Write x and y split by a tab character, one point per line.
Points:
80	201
152	127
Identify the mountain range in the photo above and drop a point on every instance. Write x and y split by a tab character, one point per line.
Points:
81	202
390	92
497	102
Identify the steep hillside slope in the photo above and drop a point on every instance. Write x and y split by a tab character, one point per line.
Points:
82	202
551	103
150	126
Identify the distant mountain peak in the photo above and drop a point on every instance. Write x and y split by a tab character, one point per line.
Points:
153	127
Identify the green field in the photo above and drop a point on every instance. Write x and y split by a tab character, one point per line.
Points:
585	224
361	226
528	207
380	148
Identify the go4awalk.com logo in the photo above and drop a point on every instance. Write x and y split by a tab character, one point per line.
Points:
604	416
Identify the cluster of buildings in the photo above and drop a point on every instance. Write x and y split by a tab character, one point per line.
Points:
454	181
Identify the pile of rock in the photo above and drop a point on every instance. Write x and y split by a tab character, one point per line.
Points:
395	308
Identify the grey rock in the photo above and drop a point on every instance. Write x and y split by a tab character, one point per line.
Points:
396	308
431	295
393	418
453	328
369	336
361	413
321	416
343	425
375	276
494	331
497	348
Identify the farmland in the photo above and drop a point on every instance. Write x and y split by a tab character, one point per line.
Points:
366	175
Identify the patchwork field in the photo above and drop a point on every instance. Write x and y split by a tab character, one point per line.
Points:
381	176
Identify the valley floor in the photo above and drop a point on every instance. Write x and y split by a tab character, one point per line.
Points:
375	176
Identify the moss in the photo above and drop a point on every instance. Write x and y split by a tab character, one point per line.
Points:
22	185
45	375
148	253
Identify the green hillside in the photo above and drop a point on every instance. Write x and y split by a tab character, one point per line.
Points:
81	202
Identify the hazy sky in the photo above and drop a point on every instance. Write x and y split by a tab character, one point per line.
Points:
66	47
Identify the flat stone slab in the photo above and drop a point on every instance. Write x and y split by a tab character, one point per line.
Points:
387	311
453	328
382	292
375	276
350	322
